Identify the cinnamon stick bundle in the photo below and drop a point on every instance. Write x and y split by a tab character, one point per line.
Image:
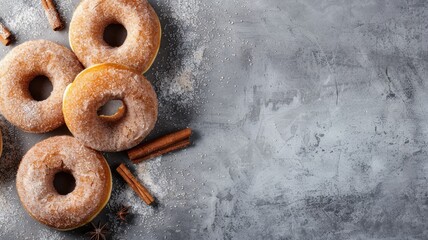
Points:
160	146
135	185
52	15
5	35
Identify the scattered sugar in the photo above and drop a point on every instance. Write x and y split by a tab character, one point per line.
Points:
10	213
24	19
49	234
12	153
151	175
66	7
180	68
186	12
185	81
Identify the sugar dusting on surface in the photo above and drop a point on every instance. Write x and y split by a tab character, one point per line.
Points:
12	152
184	83
50	234
179	69
11	213
152	176
25	18
65	7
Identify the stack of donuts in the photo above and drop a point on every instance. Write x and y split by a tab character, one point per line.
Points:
112	73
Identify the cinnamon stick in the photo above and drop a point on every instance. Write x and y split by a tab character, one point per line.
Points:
5	35
180	145
52	15
161	145
135	184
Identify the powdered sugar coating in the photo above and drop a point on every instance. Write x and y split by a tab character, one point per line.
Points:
19	67
34	182
93	88
137	16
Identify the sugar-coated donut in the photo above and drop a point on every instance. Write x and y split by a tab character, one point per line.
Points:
35	177
91	18
19	68
92	89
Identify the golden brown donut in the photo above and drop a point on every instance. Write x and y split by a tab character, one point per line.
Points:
90	19
34	183
23	64
92	89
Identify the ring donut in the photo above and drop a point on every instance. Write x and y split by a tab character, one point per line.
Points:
96	86
90	19
19	68
35	183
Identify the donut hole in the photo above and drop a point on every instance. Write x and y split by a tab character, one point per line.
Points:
64	182
40	88
115	34
112	110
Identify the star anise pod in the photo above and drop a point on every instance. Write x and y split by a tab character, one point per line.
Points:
122	213
99	231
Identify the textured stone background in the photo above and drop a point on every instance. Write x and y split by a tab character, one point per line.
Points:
310	122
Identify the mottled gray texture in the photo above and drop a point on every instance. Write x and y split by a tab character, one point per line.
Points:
310	123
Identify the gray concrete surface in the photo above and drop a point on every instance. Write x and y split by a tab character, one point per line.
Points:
309	118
